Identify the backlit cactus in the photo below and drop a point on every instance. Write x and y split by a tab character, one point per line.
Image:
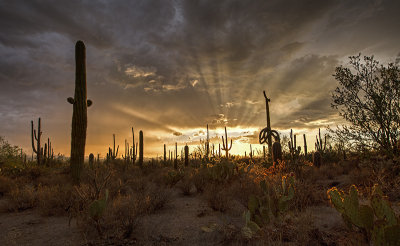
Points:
91	161
112	153
165	154
377	220
141	149
225	145
186	155
79	115
176	156
273	203
276	152
36	137
319	146
317	159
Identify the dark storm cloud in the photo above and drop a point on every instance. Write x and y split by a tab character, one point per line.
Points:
182	64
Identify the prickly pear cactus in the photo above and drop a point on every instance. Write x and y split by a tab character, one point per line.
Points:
377	220
97	207
274	202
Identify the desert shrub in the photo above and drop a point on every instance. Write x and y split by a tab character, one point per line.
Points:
308	194
152	199
22	198
173	176
217	198
186	183
121	216
200	179
53	200
6	185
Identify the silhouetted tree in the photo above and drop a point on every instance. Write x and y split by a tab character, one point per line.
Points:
368	98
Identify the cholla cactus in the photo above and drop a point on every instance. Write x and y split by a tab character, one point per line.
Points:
225	145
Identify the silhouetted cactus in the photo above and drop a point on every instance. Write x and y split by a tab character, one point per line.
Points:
112	154
165	154
91	161
225	145
133	150
186	155
207	147
79	114
305	144
141	149
176	156
36	137
269	136
317	159
319	146
276	152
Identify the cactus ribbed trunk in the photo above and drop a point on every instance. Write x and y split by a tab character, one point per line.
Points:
36	136
91	161
140	149
79	115
305	144
276	152
186	156
165	154
176	156
267	100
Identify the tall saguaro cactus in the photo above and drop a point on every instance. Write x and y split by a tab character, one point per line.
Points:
269	139
225	145
186	155
79	114
141	149
165	154
36	137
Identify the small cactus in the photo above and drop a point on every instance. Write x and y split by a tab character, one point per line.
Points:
319	146
317	159
276	152
91	161
112	153
176	156
225	145
36	136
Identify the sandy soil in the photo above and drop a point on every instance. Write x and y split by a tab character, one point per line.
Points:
29	228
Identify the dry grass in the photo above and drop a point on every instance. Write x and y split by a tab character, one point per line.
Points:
217	198
22	198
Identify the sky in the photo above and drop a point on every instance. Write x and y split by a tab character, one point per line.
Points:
169	68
